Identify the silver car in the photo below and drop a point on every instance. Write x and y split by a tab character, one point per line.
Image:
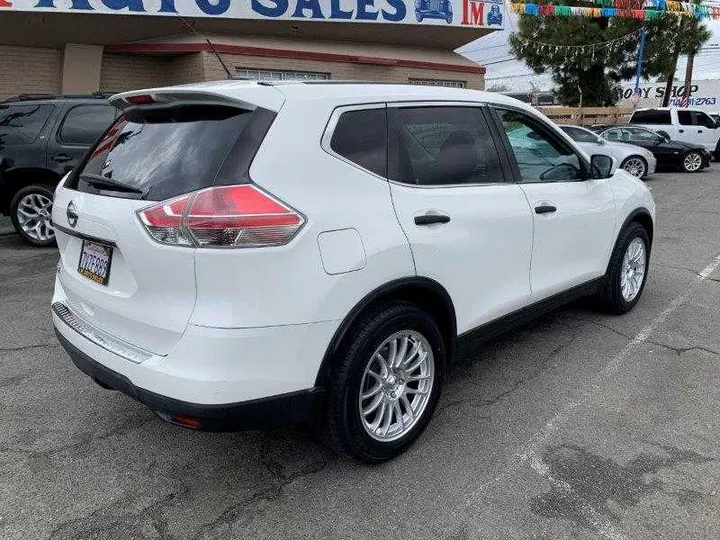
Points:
634	159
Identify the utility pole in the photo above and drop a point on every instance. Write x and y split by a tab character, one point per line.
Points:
685	102
675	55
640	60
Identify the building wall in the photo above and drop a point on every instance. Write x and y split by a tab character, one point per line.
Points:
337	70
187	68
29	70
122	72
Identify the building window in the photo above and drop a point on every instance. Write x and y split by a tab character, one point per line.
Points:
277	75
439	82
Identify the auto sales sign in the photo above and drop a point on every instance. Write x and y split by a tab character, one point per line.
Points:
461	13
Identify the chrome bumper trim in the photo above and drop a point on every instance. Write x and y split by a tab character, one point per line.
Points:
99	337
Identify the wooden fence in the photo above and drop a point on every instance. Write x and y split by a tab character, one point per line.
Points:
587	116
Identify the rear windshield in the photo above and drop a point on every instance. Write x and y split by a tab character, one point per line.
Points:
157	154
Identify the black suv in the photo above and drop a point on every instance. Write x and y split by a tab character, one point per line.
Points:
42	137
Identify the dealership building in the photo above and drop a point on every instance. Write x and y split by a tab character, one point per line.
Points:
83	46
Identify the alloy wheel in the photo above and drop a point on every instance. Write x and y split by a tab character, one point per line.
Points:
34	217
632	272
692	162
396	386
635	166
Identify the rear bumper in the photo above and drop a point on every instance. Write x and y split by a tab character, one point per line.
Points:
652	164
295	408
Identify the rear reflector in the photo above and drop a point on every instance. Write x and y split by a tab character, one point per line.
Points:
226	216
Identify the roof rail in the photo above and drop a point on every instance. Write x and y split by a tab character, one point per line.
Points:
328	81
41	97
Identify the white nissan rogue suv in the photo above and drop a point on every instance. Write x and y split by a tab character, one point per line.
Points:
236	255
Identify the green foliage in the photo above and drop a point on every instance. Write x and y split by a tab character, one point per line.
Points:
597	72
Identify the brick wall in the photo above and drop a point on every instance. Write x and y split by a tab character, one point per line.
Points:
121	73
337	70
29	70
188	68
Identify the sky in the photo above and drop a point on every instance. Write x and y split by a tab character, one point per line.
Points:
493	52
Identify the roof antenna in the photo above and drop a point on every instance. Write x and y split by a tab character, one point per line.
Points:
210	43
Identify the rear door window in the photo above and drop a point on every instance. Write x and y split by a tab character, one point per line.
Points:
361	137
445	146
651	117
21	124
158	154
83	124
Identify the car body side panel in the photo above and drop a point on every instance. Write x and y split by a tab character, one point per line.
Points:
289	284
631	194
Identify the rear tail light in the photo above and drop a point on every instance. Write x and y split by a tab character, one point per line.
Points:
227	216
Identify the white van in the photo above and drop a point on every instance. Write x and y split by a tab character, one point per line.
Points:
686	125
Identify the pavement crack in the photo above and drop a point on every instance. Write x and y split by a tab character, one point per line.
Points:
12	381
28	347
286	461
598	323
543	366
80	441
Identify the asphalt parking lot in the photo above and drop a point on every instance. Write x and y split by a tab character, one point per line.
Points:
578	426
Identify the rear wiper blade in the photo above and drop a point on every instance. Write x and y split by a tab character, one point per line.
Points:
104	182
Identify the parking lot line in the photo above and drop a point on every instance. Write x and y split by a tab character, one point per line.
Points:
602	526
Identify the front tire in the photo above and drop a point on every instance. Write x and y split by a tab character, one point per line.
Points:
691	162
30	213
386	383
627	271
635	165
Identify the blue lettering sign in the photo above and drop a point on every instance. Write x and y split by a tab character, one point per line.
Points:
313	5
216	7
336	12
400	11
279	9
76	4
132	5
362	12
168	6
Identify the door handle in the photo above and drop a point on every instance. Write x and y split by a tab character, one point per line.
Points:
545	209
429	219
61	158
681	130
699	130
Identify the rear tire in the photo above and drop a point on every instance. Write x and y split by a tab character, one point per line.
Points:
623	285
30	213
401	397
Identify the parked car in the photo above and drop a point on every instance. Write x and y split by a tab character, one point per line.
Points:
685	125
434	9
634	159
42	137
226	288
685	156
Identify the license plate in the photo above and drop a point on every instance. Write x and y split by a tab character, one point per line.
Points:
95	262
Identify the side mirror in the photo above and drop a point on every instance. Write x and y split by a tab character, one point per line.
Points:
600	166
664	135
601	141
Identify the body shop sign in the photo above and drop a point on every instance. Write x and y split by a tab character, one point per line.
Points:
462	13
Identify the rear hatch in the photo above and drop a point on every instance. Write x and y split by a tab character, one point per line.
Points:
114	273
